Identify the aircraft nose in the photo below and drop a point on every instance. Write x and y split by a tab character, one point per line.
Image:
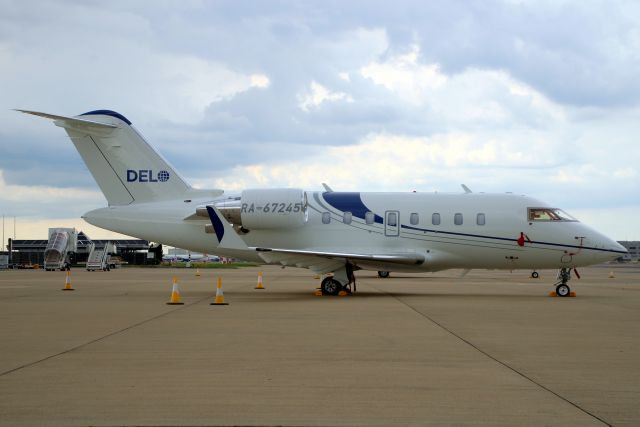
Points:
615	249
615	246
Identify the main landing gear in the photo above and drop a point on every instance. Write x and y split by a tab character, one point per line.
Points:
562	288
330	286
340	281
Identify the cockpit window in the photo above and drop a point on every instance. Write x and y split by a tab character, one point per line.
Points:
549	214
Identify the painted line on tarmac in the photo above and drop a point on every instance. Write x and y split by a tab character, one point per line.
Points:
135	325
495	359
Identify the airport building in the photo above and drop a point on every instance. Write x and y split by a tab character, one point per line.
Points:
633	246
76	248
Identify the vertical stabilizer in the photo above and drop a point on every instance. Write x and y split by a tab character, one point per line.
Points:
126	168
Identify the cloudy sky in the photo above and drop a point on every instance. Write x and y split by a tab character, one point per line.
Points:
536	97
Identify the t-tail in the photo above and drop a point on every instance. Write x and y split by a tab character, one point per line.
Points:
127	169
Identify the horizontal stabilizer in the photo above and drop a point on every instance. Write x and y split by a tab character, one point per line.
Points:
63	121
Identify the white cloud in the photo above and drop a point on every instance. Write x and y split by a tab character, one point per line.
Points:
506	101
40	194
387	161
37	228
318	94
405	76
182	87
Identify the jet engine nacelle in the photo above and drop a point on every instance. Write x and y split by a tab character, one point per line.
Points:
273	208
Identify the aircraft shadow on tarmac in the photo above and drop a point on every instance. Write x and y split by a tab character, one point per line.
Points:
305	295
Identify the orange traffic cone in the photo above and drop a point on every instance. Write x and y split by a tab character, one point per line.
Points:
175	294
219	295
259	285
197	272
611	275
67	282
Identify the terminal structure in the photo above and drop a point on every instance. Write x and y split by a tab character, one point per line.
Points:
633	246
66	247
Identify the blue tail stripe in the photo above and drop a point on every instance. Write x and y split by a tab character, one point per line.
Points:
108	113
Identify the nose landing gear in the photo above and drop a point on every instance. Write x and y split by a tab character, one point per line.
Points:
562	287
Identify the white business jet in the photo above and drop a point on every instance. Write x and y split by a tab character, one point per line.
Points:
329	231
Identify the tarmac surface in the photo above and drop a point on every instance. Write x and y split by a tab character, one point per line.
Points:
491	348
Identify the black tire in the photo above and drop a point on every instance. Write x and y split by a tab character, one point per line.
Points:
535	274
563	290
383	274
330	286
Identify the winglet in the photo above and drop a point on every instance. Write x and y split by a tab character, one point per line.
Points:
226	235
327	188
466	189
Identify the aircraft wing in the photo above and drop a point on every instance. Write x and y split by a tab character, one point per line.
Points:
326	261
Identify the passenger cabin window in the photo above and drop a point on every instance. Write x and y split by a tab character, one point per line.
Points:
368	217
326	217
435	219
549	214
346	218
414	219
457	219
392	219
480	219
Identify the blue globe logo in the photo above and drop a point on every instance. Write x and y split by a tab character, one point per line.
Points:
163	176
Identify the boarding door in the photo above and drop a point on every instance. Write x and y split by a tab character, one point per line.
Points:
392	223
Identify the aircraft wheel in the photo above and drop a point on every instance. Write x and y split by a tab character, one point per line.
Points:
330	286
383	274
563	290
534	274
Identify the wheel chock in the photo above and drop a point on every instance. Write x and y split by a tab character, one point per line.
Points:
571	294
318	293
343	293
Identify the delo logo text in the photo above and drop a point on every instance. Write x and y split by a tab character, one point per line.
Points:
146	175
